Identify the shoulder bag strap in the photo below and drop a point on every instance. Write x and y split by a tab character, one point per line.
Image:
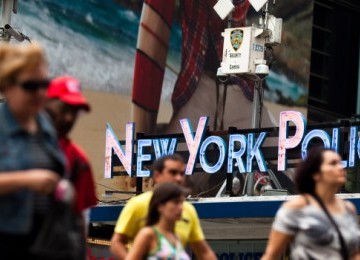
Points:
344	251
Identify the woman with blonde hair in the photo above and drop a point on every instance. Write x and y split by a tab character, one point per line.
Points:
30	160
317	224
158	239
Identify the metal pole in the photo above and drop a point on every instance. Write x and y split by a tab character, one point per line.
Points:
266	22
227	185
255	123
255	120
6	10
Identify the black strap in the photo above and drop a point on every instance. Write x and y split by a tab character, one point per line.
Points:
223	108
344	251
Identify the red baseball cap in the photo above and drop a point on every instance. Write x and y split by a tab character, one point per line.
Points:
68	90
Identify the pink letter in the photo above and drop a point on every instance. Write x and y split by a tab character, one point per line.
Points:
112	143
284	142
193	143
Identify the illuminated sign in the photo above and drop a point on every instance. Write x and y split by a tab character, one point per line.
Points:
284	142
193	142
112	144
237	152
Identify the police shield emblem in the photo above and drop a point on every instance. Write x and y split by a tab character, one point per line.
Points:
236	38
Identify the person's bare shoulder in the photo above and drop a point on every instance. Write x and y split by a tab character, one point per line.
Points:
297	203
350	206
146	232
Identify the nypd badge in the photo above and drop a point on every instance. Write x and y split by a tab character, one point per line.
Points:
236	38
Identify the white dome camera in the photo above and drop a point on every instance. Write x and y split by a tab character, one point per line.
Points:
261	69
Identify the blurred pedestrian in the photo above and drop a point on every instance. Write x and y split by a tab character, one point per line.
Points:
31	162
158	239
169	168
317	224
64	105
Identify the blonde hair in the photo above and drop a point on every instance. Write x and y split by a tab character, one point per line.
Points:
15	59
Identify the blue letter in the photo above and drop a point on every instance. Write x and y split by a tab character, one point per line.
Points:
316	133
255	151
222	148
142	157
164	150
335	144
237	155
353	137
335	140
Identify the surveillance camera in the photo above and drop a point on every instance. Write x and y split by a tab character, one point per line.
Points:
221	75
261	69
13	33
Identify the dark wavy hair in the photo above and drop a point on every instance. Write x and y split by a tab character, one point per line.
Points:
304	176
162	194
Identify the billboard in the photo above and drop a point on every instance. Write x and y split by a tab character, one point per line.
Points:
155	62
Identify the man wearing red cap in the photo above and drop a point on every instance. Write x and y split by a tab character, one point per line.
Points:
64	103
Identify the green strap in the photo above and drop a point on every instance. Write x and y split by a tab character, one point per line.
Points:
158	240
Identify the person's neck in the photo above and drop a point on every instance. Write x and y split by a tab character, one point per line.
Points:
63	138
25	120
326	193
166	226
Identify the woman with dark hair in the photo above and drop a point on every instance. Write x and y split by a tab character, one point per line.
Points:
317	224
158	239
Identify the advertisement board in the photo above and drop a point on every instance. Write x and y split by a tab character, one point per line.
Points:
144	62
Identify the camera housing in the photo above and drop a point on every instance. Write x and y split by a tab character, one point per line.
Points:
261	68
222	77
246	48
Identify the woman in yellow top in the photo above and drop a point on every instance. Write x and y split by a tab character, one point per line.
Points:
158	239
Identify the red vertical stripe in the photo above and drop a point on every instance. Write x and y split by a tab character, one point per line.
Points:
148	78
165	8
